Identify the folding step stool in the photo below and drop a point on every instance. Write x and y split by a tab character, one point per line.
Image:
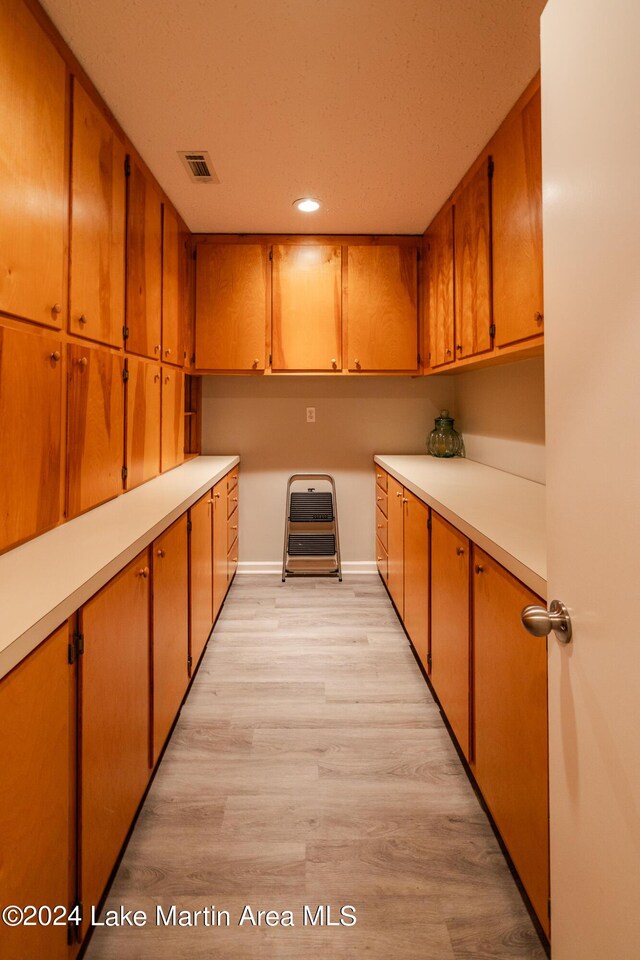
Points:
311	541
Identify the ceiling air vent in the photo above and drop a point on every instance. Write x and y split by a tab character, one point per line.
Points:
199	166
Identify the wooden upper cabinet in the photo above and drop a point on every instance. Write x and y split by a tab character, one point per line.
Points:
170	667
382	307
37	758
473	265
510	713
232	306
307	308
517	225
172	418
440	300
450	637
175	253
95	428
33	170
31	414
114	720
143	387
144	265
96	306
416	574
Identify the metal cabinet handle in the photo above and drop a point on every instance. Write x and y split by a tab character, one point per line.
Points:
540	622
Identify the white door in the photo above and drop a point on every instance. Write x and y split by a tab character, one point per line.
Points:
591	176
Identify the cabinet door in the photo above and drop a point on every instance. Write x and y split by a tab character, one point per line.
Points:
172	418
232	306
441	343
143	420
220	565
510	720
450	640
200	576
307	308
96	308
144	265
33	169
473	266
382	308
95	426
395	540
516	201
416	574
31	435
174	286
170	629
114	720
37	759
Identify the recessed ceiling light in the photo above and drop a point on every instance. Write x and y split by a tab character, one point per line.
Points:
307	204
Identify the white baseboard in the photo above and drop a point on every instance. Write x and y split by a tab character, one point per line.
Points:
349	567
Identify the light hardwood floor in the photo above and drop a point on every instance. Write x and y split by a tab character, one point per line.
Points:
310	765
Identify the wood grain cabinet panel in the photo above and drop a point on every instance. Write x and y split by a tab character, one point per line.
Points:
395	544
37	759
96	306
450	637
143	388
307	307
510	714
33	170
200	576
170	669
172	418
382	561
220	564
175	253
95	426
517	226
144	265
382	308
416	573
114	720
31	414
440	300
232	306
472	244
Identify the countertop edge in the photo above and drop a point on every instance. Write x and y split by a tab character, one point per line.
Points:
509	561
18	648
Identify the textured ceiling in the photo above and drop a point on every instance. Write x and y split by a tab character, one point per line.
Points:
376	107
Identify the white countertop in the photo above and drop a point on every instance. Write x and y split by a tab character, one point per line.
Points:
47	579
502	513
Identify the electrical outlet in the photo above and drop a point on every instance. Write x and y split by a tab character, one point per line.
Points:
311	414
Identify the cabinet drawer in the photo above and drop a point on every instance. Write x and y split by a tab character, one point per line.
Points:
381	479
381	501
232	530
232	562
232	480
381	527
232	501
382	561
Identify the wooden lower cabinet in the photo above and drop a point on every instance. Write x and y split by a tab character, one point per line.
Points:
220	553
450	637
95	427
511	733
114	721
416	574
200	576
170	631
395	544
37	759
31	415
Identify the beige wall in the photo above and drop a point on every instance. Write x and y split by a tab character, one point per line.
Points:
500	411
264	420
